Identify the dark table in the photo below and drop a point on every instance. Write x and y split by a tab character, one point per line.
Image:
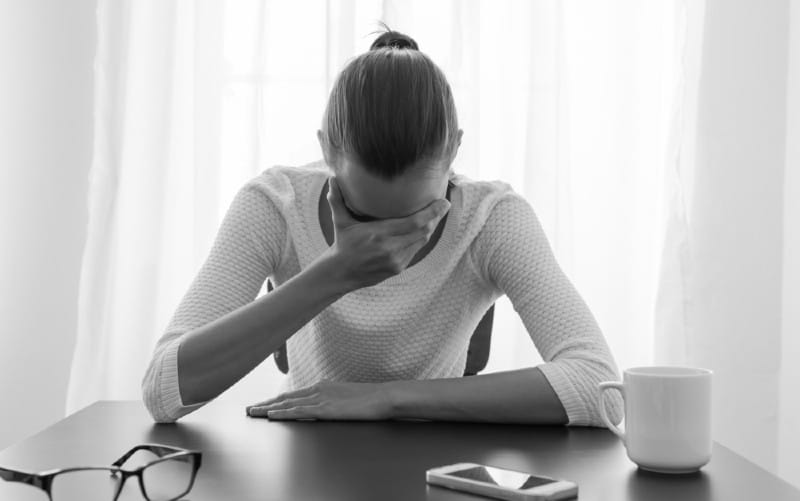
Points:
257	459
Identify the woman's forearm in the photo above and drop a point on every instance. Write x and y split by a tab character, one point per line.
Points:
213	357
518	396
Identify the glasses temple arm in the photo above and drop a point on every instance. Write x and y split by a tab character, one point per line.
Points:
20	476
160	451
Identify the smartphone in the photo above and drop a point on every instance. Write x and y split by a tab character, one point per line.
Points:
500	483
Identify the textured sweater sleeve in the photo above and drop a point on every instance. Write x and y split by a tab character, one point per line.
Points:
248	247
517	259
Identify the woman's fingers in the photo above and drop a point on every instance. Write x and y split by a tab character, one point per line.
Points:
303	392
261	410
301	412
341	216
418	221
335	401
408	245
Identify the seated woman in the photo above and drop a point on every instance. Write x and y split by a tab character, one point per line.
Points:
384	261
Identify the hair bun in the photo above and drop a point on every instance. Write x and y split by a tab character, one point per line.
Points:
394	39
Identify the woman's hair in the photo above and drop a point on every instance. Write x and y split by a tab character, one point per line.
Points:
391	107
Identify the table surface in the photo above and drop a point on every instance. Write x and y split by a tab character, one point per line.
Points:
256	459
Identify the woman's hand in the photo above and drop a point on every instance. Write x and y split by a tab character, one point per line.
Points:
367	253
328	400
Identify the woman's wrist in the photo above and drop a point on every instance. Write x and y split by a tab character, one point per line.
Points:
332	272
397	399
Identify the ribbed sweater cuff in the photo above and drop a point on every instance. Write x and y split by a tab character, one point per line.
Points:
171	402
569	396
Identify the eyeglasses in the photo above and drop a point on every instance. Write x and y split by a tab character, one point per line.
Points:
167	478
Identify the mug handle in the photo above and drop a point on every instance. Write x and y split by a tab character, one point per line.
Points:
603	387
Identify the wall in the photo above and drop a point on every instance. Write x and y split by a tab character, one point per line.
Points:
789	446
46	55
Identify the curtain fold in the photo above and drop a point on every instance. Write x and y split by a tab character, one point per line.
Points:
132	126
672	320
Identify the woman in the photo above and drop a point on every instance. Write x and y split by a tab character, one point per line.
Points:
382	272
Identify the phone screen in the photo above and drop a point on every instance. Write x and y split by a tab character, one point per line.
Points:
503	478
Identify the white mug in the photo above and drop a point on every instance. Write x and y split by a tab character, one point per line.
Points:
667	417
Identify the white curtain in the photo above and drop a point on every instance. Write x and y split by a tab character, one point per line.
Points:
582	105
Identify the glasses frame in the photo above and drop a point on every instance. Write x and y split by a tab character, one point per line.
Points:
44	480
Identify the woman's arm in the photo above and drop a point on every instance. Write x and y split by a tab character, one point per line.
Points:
519	396
248	247
219	334
513	254
215	356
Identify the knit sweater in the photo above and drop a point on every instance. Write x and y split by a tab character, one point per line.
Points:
414	325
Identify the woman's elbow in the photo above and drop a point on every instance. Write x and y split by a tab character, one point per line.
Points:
589	374
614	407
159	416
162	418
609	401
151	397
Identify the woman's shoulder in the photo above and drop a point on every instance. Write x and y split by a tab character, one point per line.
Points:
281	176
493	213
480	198
285	184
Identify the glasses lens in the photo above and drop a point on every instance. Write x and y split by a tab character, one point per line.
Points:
86	485
168	479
